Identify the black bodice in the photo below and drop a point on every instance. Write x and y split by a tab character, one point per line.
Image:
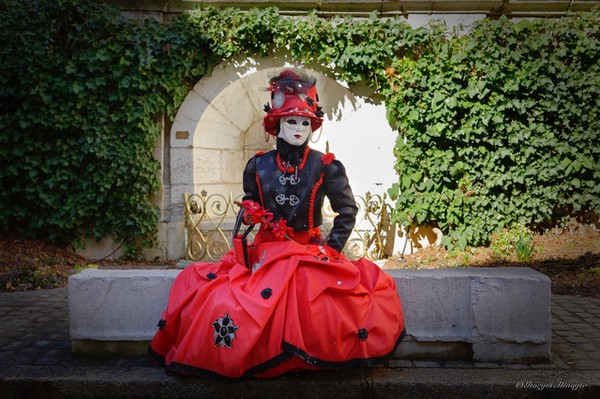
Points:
296	192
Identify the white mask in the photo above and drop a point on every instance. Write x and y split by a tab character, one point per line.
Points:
295	129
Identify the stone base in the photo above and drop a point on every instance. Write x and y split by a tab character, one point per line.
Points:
525	353
499	315
434	350
108	349
118	305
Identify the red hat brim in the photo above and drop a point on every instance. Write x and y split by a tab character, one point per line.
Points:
272	119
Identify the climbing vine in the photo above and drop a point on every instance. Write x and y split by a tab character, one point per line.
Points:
499	127
81	89
493	128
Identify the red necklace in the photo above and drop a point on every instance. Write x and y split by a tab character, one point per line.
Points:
290	169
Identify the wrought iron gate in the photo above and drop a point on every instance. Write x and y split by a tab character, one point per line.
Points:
209	221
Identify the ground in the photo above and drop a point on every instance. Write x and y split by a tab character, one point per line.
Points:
36	264
570	257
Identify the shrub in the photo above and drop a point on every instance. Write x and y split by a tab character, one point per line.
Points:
499	126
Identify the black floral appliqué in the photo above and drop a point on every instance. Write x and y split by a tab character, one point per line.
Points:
225	331
266	293
363	334
211	276
162	323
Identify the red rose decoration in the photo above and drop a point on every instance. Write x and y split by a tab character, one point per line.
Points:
255	214
327	158
281	230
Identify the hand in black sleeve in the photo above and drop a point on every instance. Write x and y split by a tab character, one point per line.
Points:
337	188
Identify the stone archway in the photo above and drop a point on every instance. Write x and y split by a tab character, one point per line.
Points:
219	127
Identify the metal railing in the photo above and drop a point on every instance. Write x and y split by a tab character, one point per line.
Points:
209	222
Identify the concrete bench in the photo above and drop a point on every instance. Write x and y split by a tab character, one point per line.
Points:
478	314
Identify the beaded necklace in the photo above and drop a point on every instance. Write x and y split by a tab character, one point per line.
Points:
291	168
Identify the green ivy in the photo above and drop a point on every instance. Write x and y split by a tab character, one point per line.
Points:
499	126
80	92
505	242
495	127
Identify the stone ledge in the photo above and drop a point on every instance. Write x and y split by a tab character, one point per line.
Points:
496	314
479	314
117	305
114	382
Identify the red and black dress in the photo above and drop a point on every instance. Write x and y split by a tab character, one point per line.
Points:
299	304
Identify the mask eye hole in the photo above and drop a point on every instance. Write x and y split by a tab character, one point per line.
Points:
291	121
305	123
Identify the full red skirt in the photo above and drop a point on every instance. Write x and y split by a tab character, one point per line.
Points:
294	311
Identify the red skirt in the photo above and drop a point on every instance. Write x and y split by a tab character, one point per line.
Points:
294	309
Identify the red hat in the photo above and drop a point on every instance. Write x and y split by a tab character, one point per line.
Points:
292	94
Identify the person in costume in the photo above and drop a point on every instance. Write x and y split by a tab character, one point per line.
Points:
289	300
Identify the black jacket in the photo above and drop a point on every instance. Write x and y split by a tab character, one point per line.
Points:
295	193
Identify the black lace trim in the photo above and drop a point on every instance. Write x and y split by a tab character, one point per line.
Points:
347	364
290	350
154	356
199	372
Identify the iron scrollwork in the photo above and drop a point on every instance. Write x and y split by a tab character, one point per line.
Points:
206	219
209	221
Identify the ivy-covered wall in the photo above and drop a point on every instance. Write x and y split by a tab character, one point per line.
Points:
493	128
81	94
498	127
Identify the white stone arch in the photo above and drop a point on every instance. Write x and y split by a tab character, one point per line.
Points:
219	127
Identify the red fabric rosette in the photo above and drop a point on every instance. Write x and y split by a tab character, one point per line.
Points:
280	230
327	158
255	214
